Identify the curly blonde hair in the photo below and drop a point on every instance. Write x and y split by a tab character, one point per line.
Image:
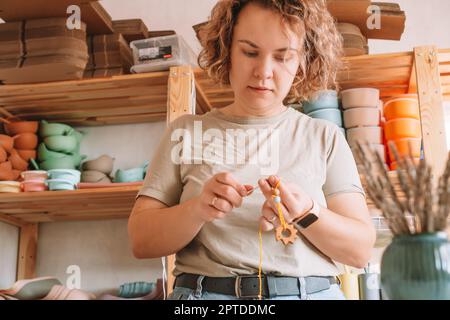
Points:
320	57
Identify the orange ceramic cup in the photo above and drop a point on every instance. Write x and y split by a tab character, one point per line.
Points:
393	165
405	147
27	154
401	108
402	128
27	141
3	154
33	186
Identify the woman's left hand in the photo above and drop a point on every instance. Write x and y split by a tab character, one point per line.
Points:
294	202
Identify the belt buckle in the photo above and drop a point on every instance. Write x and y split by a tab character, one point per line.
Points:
237	287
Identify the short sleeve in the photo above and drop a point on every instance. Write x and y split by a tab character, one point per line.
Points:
163	179
342	174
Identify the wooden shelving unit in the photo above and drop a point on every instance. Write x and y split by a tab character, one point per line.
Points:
167	95
83	204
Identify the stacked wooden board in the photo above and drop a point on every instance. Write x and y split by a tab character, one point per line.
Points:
131	29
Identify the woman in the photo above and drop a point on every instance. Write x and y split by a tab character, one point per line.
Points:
211	183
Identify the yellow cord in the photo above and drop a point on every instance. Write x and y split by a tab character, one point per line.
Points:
283	223
260	263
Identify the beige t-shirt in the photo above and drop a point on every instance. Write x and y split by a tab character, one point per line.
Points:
312	153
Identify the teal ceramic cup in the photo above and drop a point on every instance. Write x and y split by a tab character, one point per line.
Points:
66	144
325	99
47	129
57	163
332	115
130	175
60	184
66	174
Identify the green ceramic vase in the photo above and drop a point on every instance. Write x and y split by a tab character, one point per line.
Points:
417	267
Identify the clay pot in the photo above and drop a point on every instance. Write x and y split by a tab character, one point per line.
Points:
59	163
324	99
16	127
360	98
332	115
27	154
26	141
33	186
371	135
60	184
3	154
92	176
54	129
17	162
402	128
103	164
405	146
130	175
65	174
16	175
66	144
402	108
34	175
5	165
7	142
6	172
361	117
10	187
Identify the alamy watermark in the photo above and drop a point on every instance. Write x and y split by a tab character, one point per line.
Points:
233	147
374	20
74	20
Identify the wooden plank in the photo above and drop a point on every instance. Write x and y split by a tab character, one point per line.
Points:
412	87
11	220
431	108
180	102
26	264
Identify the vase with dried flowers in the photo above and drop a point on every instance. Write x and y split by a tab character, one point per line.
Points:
416	264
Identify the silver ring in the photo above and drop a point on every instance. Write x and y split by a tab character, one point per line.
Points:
213	201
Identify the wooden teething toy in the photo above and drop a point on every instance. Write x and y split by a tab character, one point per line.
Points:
285	233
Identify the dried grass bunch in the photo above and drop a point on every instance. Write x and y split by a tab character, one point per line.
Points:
419	209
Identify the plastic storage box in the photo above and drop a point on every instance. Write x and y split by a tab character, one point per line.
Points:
161	53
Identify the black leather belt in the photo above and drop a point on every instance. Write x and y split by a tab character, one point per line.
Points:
248	286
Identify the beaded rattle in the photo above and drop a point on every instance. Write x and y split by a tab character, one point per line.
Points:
285	233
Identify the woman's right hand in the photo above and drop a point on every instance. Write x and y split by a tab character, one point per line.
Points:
220	195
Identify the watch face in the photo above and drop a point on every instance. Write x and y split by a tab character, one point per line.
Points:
308	220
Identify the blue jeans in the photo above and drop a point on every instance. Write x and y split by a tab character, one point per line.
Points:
181	293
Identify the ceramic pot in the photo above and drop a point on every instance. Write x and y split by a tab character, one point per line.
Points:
371	135
10	187
3	154
6	174
6	165
26	141
17	127
417	267
66	144
33	186
60	163
103	164
405	147
34	175
44	153
60	184
15	174
92	176
360	98
402	128
27	154
65	174
130	175
324	99
332	115
47	129
17	162
7	142
402	108
361	117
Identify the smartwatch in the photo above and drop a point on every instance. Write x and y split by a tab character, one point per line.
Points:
309	218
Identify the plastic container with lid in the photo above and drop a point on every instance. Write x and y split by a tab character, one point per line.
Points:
161	53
